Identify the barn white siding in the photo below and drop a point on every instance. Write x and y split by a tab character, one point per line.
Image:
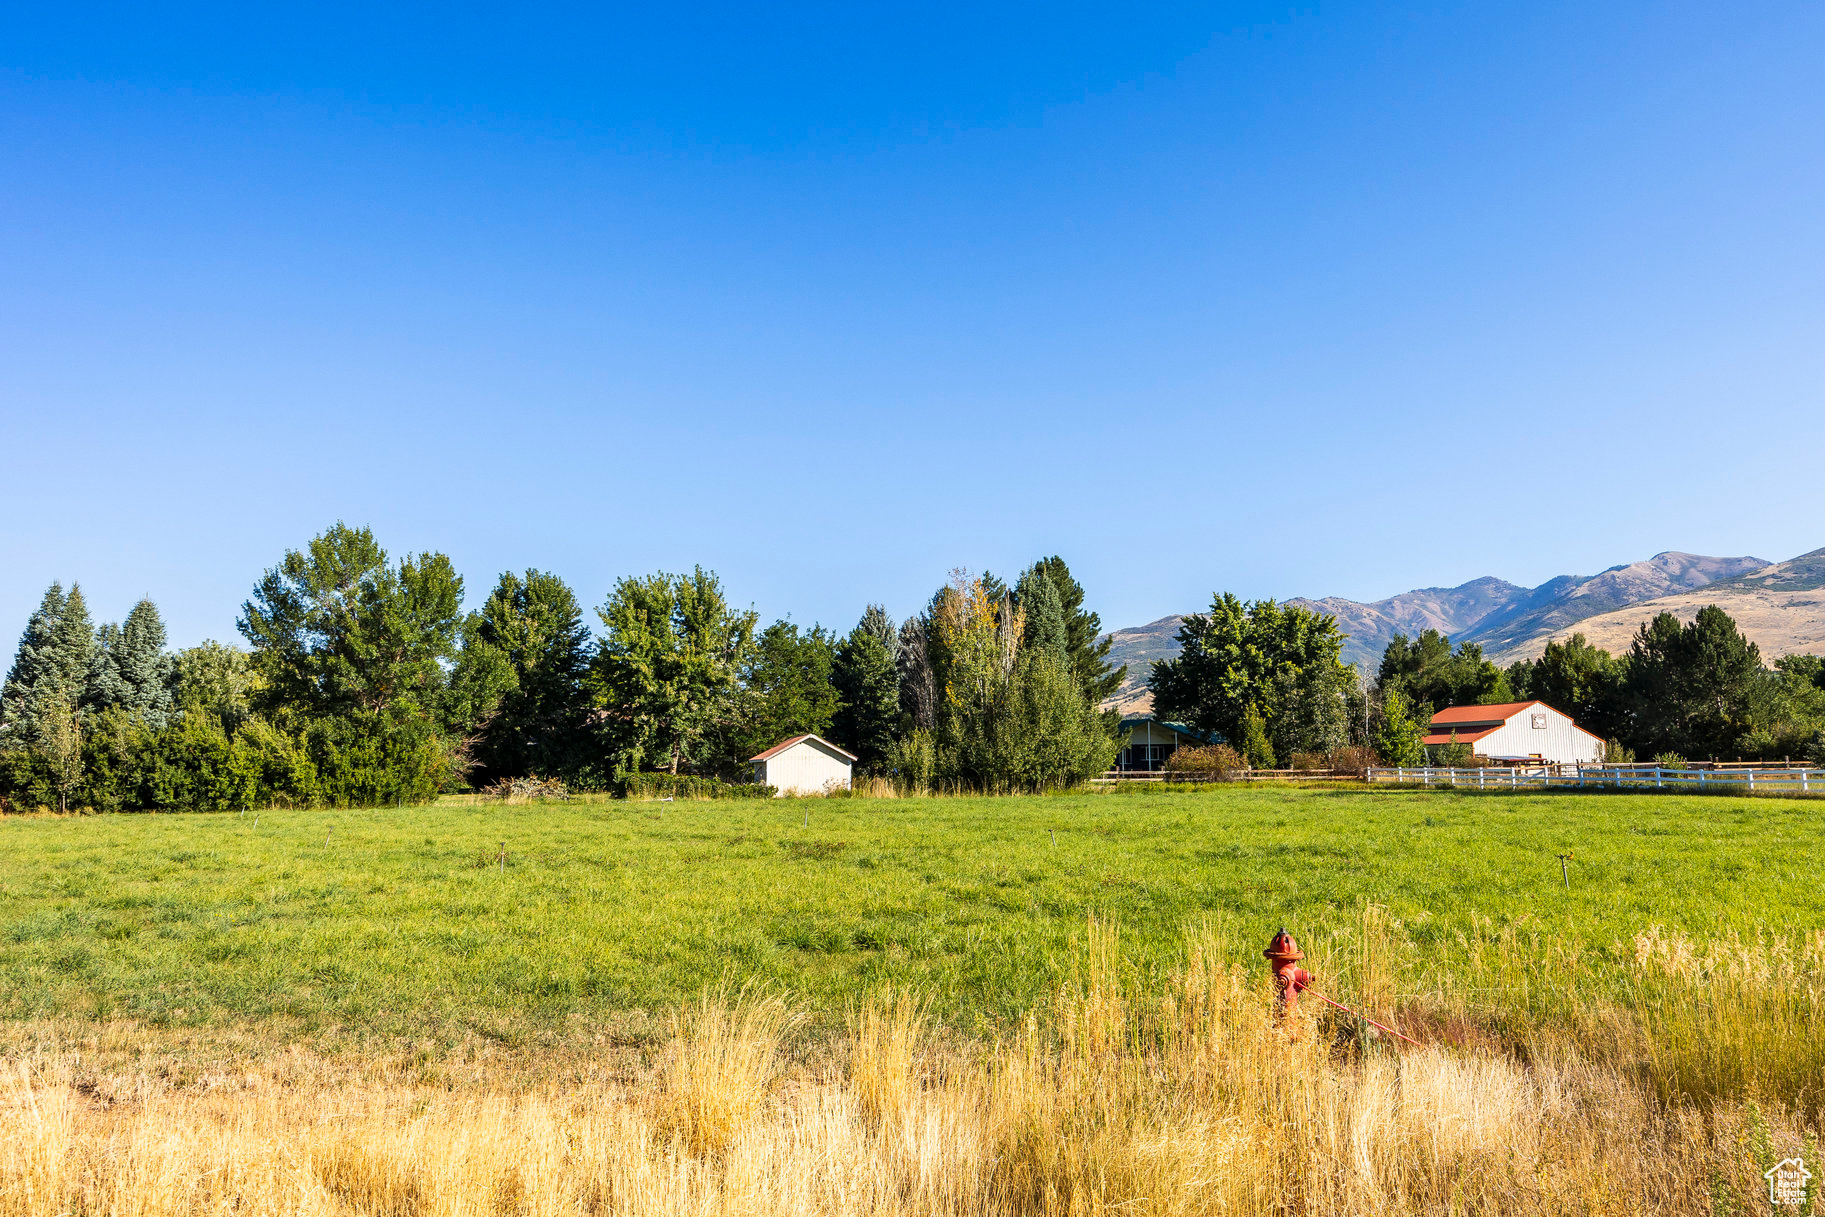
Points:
807	766
1543	732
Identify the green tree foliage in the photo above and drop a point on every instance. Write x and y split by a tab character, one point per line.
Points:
1282	660
131	669
1578	679
34	665
1044	613
1085	646
786	690
1453	754
214	678
1697	689
986	710
1429	673
868	688
1400	738
669	665
335	629
1251	739
521	677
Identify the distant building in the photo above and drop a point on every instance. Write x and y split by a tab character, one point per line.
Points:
804	764
1516	732
1151	742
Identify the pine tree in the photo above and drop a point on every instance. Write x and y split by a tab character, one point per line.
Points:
32	661
876	621
130	668
1085	645
868	682
1037	594
72	651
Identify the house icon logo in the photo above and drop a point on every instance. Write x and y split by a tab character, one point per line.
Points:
1787	1182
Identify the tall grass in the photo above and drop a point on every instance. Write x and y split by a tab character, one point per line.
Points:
1125	1092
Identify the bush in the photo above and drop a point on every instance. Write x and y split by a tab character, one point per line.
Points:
1206	761
527	789
373	760
689	786
1670	760
1354	759
1308	760
1615	752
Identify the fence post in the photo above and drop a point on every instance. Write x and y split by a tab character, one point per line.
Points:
1751	781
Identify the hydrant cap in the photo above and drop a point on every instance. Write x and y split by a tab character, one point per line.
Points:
1283	949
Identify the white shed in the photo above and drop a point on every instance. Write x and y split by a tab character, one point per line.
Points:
1517	731
804	764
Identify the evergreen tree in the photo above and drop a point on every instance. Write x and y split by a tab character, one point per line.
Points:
876	621
1037	595
1085	645
1698	689
540	720
868	685
131	669
30	664
72	652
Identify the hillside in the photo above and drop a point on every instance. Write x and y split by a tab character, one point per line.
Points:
1780	608
1511	622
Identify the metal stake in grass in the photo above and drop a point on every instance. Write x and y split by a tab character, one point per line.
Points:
1054	833
503	857
1564	873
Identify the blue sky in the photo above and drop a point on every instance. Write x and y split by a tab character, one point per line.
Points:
1333	300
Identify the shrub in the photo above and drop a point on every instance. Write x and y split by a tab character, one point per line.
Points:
527	789
1308	760
1670	760
1206	761
689	786
1615	752
1354	759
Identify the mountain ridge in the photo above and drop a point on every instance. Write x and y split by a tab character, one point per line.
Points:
1512	622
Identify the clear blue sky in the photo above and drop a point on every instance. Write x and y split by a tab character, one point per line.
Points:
1328	300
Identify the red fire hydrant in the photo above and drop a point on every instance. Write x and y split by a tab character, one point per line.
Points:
1284	954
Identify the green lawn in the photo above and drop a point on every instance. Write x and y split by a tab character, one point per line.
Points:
405	924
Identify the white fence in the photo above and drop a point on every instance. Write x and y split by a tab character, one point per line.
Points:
1735	780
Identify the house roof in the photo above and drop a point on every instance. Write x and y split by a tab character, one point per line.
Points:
780	747
1129	720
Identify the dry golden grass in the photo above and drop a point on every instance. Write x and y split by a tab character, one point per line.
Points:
1186	1097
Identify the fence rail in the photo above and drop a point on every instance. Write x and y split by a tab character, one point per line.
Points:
1231	775
1771	780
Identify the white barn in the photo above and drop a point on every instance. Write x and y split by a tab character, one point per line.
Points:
1517	731
804	764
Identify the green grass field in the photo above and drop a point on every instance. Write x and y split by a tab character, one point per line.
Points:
404	924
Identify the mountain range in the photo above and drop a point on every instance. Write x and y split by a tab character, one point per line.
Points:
1779	605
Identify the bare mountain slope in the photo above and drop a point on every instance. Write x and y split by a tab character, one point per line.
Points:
1512	622
1780	608
1506	636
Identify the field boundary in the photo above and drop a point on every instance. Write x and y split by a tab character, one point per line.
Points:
1780	780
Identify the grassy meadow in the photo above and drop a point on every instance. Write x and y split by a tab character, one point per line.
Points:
1015	1005
405	922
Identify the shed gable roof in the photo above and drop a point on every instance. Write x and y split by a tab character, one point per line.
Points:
816	741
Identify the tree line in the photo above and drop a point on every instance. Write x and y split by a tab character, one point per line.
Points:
364	681
1267	678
